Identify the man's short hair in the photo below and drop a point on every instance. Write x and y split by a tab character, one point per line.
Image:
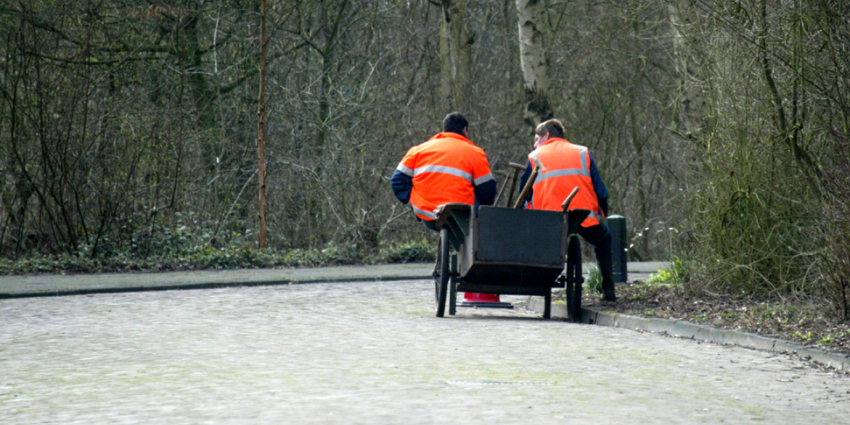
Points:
553	127
455	123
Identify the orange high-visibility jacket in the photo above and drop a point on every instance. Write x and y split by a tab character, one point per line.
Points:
563	166
444	169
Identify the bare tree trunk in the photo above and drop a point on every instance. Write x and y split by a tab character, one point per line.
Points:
533	61
261	128
683	124
454	53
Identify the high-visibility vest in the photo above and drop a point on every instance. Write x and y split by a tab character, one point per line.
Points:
444	169
563	166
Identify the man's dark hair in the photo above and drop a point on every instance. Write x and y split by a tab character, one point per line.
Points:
455	123
553	127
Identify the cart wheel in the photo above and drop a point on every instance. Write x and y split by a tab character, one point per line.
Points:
577	297
452	284
574	279
442	278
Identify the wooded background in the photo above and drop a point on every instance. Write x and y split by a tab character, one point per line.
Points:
721	128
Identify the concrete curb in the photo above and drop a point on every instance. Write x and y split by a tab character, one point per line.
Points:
56	285
681	329
143	288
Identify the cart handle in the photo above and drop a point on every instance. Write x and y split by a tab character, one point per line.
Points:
519	167
566	205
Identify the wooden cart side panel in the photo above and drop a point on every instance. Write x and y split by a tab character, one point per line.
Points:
519	236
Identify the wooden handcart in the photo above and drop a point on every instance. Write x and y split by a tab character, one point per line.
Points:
508	251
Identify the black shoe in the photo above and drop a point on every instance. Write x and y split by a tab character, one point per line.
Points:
606	269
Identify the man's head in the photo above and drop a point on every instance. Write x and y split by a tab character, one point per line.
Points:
455	123
547	130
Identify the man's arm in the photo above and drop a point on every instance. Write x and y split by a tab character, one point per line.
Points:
485	193
402	185
483	182
598	186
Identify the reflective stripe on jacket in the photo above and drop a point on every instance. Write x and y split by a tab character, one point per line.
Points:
444	169
563	166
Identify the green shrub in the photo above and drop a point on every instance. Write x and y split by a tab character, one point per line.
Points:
411	252
678	272
594	280
206	257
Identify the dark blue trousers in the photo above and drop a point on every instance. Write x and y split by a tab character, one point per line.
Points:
600	238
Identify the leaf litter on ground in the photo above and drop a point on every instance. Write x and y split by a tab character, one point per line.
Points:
802	322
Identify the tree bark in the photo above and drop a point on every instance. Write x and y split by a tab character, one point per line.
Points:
455	43
532	57
261	129
683	123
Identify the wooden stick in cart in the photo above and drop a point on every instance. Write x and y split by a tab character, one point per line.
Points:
504	185
527	189
566	204
517	168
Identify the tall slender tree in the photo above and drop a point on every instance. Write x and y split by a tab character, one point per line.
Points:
533	61
455	42
261	129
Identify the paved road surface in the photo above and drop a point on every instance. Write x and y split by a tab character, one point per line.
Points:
372	353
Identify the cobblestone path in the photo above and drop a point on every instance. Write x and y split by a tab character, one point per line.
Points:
373	353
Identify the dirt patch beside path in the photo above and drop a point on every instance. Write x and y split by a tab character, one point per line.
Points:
801	322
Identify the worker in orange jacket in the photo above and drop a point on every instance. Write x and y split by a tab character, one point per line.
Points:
562	167
447	168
